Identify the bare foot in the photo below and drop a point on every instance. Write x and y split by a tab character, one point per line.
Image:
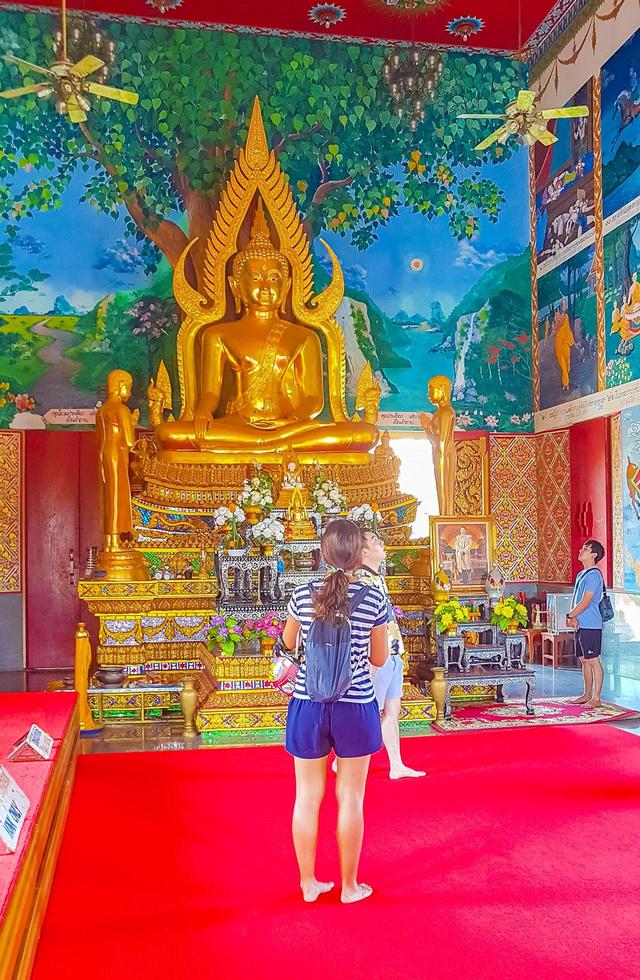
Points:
584	699
355	894
594	703
403	772
334	765
313	888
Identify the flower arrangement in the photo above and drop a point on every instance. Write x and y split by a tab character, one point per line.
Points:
367	515
269	531
269	626
327	496
226	633
448	614
257	492
230	517
509	613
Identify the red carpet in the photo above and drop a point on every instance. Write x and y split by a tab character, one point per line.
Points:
516	857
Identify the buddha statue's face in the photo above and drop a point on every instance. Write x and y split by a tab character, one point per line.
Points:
262	284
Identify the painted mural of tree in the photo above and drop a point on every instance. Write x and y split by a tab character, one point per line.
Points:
349	159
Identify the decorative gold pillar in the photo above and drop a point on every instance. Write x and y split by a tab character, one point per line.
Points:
534	279
83	656
598	265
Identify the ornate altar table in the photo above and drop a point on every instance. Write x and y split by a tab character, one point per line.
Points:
488	676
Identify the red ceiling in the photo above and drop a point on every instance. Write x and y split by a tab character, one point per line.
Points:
369	19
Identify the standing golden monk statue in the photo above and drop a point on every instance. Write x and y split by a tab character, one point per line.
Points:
440	428
115	429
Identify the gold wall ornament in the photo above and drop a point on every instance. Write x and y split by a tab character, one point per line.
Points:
272	362
472	476
368	395
11	511
115	429
439	427
159	396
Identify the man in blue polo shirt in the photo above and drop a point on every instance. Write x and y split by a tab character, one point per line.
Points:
585	617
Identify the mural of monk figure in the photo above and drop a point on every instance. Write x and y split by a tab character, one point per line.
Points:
563	342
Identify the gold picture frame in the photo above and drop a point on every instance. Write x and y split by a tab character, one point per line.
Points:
464	548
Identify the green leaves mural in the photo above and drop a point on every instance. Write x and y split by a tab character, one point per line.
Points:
326	108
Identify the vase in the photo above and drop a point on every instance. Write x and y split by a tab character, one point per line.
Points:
189	703
512	627
451	631
438	689
266	549
267	643
252	514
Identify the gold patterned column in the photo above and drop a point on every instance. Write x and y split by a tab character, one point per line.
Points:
599	244
534	279
616	502
11	454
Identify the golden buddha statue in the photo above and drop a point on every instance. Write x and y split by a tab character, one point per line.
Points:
254	386
439	427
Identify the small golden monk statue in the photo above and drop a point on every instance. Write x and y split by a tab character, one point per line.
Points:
256	385
115	429
440	427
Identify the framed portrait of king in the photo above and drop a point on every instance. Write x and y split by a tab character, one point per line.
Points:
463	547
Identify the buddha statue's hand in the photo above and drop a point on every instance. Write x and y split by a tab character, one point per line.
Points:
201	423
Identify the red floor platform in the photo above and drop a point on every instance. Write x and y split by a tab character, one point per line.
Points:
516	857
26	874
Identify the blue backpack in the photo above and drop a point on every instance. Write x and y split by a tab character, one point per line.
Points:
327	654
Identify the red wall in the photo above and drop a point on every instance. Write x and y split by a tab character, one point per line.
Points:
591	490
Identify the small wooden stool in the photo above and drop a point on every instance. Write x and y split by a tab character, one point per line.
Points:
534	644
557	647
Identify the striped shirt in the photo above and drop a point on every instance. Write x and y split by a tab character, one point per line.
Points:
371	612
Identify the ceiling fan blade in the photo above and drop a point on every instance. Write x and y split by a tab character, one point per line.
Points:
75	111
525	99
14	93
26	64
87	66
496	135
108	92
545	137
480	115
571	112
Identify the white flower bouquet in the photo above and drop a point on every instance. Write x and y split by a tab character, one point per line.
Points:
229	515
268	531
366	515
257	492
327	497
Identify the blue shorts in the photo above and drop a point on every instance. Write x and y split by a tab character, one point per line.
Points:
314	728
387	680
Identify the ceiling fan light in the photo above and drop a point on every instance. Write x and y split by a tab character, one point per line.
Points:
45	92
84	103
61	106
529	139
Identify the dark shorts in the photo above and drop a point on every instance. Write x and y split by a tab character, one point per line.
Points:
351	730
588	643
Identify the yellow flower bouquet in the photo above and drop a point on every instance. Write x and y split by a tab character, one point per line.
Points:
448	614
508	614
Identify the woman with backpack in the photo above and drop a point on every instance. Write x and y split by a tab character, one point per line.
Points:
343	625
